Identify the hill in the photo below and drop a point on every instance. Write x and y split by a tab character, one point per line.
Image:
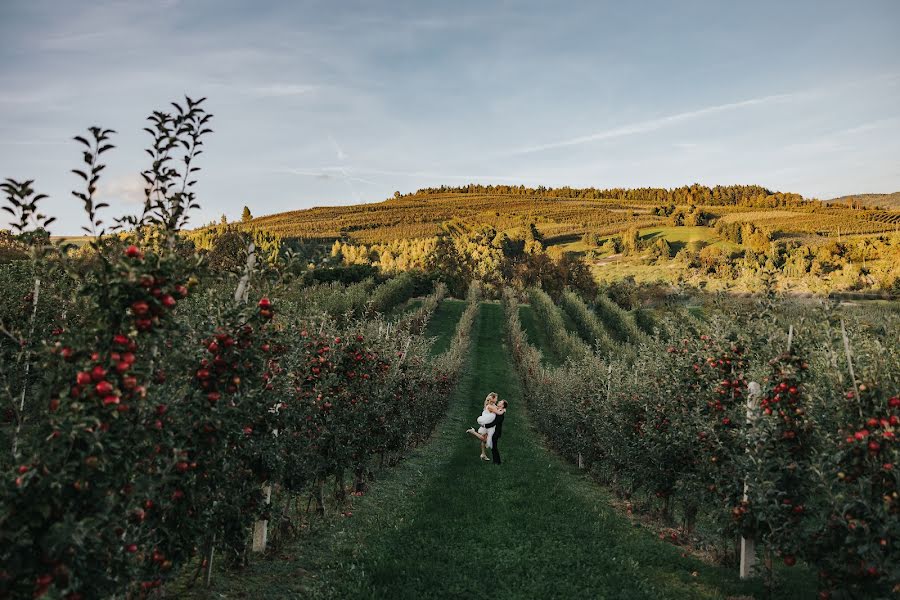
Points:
566	215
878	201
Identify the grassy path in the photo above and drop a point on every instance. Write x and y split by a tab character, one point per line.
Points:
537	336
443	524
442	325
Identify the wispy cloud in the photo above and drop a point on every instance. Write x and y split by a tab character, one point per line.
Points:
329	173
434	175
661	122
341	155
280	90
128	189
33	143
870	126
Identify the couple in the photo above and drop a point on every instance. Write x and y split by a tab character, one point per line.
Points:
491	426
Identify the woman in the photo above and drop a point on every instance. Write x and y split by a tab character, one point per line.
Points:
486	434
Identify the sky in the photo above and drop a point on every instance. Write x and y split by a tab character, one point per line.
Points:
327	103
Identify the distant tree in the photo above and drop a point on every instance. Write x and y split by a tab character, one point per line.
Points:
612	245
453	268
631	241
729	231
532	234
246	216
591	239
223	220
660	250
756	239
577	275
711	257
397	195
228	251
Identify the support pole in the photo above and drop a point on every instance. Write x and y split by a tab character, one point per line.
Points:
748	545
748	557
207	577
261	527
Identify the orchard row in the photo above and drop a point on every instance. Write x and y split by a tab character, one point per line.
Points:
806	464
168	410
155	410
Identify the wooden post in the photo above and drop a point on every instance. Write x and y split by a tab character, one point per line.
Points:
850	367
748	545
207	577
261	527
748	555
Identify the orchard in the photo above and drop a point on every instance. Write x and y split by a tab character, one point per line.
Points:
806	466
155	407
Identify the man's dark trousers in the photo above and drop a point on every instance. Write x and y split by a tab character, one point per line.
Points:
498	431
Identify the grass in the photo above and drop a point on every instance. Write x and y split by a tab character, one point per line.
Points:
569	323
538	336
789	582
410	306
442	324
680	237
443	524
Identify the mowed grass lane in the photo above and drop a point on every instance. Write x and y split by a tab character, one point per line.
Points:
446	525
443	524
537	336
442	324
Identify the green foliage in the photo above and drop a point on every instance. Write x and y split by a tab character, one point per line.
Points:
225	245
618	322
671	422
149	399
589	326
392	293
660	250
564	342
624	293
344	275
631	241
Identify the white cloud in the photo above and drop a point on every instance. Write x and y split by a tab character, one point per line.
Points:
659	123
128	189
870	126
280	90
325	172
341	155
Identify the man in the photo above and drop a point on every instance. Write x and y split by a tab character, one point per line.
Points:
497	424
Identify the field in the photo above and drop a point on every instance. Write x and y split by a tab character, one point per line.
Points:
561	220
649	235
215	414
877	201
525	526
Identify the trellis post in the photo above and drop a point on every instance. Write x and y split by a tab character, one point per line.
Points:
241	294
748	544
261	527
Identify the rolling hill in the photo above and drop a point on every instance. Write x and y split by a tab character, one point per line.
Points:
878	201
563	216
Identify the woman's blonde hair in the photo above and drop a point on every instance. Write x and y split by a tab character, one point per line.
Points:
489	397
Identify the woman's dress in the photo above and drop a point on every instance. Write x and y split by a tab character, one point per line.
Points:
486	418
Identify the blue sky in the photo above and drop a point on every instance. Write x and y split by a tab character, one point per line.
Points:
320	103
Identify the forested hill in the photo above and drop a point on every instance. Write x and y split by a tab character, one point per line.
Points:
563	215
720	195
883	201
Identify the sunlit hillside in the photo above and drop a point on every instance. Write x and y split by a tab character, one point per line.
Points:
566	218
